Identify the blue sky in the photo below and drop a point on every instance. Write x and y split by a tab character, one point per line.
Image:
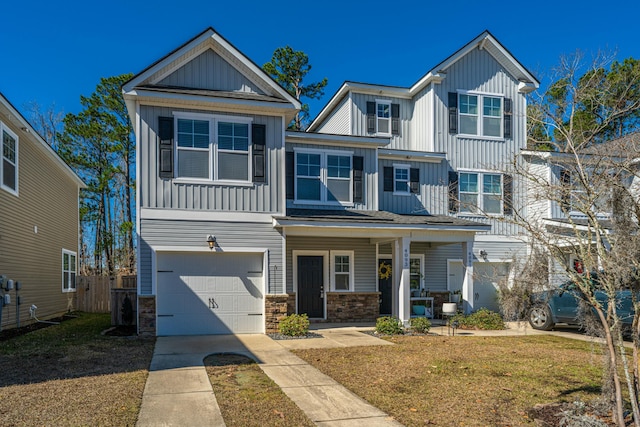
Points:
53	52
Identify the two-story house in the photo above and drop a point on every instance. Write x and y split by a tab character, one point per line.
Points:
39	224
378	203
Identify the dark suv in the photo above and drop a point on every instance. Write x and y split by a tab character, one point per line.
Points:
561	305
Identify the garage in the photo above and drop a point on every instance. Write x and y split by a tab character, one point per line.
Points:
209	293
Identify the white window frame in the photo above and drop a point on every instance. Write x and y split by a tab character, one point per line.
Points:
378	118
406	167
71	285
323	176
480	115
213	120
333	255
4	128
421	284
480	193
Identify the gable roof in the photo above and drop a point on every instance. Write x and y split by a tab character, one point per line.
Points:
147	83
7	109
484	41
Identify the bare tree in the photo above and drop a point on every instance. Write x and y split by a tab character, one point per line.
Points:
591	182
47	122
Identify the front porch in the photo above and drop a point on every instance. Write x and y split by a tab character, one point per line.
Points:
354	266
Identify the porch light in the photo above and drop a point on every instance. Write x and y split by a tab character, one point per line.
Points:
483	254
211	240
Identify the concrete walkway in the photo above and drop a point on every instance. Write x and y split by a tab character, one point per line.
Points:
178	391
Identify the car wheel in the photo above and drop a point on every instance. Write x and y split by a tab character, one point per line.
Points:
540	318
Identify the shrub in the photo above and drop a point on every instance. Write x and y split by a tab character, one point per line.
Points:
294	325
420	325
388	325
481	319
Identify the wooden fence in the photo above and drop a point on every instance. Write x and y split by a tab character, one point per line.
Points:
102	294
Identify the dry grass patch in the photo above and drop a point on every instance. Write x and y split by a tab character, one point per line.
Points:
465	381
69	374
247	397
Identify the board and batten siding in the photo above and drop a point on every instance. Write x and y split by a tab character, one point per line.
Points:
167	193
365	268
421	121
359	121
48	200
229	235
210	71
479	71
338	121
370	176
431	200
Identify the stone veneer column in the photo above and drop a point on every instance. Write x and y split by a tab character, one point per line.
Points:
147	315
275	309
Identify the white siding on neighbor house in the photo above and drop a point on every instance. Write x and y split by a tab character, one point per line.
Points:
433	196
359	119
162	193
229	235
210	71
338	121
365	268
370	176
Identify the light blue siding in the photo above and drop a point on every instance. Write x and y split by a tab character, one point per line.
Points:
229	235
160	193
210	71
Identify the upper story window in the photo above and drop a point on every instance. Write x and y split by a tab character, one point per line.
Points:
213	147
401	179
383	118
481	192
323	177
9	164
597	197
477	114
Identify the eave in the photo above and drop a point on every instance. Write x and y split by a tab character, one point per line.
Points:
333	139
418	156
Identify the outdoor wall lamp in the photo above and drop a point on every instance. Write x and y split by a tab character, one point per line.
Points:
211	240
483	254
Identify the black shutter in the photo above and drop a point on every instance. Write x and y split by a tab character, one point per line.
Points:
259	139
290	174
371	117
454	204
508	123
565	189
414	180
453	113
395	119
165	147
358	184
507	194
388	178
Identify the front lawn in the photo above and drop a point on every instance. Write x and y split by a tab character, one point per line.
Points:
70	374
465	381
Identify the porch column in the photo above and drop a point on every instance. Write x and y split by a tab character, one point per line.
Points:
395	269
404	282
467	281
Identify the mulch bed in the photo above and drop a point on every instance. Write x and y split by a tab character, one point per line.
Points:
7	334
300	337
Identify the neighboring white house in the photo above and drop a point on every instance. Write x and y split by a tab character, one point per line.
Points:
378	203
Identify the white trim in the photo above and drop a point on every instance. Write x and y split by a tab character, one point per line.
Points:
397	166
136	121
206	215
481	116
336	140
325	274
383	102
421	283
480	194
351	255
324	176
66	252
5	128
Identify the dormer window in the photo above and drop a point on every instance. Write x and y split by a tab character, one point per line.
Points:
383	117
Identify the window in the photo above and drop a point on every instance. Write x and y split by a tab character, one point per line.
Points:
68	271
223	157
401	179
383	117
480	115
341	270
9	164
415	273
480	192
323	177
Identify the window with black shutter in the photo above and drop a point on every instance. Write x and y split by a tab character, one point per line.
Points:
290	174
259	141
453	113
387	178
165	147
414	180
454	203
507	194
395	119
508	123
358	179
371	117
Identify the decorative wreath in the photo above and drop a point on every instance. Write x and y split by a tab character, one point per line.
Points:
384	271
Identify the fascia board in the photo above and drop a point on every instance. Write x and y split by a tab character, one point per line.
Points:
343	140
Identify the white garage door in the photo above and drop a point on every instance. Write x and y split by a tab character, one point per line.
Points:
209	293
486	276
